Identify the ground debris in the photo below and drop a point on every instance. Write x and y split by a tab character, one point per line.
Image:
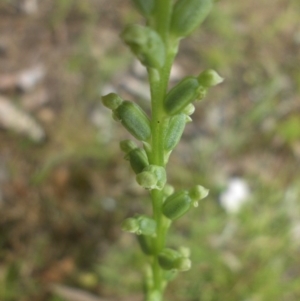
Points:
24	80
35	100
74	294
29	7
12	118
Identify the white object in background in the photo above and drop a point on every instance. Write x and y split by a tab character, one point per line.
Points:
29	7
12	118
136	87
103	122
235	195
29	78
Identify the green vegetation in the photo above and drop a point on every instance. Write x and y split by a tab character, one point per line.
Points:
156	46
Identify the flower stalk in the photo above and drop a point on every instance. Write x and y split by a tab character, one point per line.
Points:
156	46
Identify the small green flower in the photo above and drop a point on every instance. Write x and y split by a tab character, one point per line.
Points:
134	119
152	177
146	44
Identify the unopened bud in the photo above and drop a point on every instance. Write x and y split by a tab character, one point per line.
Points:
170	259
130	225
188	15
167	258
189	109
147	180
183	264
147	225
198	193
184	93
145	244
174	131
152	177
138	160
209	78
111	100
127	145
177	204
140	224
168	190
144	6
134	119
146	44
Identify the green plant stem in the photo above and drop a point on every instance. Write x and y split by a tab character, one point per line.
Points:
158	85
157	158
162	15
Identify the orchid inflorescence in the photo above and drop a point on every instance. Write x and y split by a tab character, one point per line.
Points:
155	46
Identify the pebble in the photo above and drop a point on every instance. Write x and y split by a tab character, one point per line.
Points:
29	78
74	294
29	7
24	80
12	118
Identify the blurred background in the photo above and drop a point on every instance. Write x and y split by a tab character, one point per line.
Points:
65	188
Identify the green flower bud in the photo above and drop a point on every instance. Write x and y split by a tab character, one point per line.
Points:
147	225
184	93
144	6
138	160
147	180
209	78
167	258
198	193
183	264
170	259
174	132
188	15
177	204
127	145
145	244
189	109
152	177
202	91
140	224
134	119
130	225
168	190
160	174
111	100
146	44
